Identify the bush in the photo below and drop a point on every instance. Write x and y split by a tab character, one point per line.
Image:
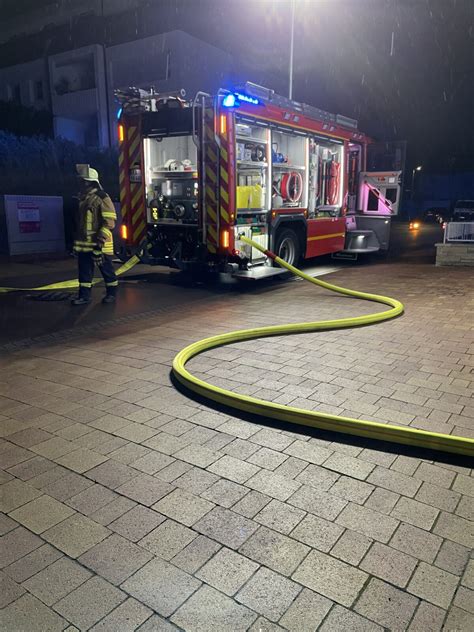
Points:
20	119
43	166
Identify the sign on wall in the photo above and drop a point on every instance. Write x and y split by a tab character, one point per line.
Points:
28	217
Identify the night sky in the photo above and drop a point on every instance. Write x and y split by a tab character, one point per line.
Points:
403	68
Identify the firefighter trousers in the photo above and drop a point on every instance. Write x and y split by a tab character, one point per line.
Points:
86	265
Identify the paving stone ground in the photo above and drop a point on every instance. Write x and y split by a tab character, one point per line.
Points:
126	505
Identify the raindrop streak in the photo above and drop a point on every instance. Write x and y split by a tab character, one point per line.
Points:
392	44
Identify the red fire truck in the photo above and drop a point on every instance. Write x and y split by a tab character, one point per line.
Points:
197	175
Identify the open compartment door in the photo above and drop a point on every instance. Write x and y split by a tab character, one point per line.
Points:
379	192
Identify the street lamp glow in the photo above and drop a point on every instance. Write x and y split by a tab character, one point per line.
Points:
418	168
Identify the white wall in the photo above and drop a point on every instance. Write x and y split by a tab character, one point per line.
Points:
169	61
80	105
201	66
25	75
140	62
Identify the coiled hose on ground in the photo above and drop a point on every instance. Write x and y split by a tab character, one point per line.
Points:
324	421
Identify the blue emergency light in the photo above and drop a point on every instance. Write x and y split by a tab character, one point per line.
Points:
233	100
247	98
229	101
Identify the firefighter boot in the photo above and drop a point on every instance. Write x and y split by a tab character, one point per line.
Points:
110	296
83	298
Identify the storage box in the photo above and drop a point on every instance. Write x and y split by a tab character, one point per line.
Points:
250	196
31	224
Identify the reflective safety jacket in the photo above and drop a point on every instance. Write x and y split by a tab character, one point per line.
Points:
96	220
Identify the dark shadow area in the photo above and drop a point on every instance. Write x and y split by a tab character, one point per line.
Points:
29	315
152	289
338	437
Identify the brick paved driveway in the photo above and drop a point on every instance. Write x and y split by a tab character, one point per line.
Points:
128	506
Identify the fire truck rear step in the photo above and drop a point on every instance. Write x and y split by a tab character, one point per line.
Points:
361	241
258	273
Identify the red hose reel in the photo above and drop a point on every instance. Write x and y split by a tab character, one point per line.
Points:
291	186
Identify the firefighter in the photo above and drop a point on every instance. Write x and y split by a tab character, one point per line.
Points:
94	241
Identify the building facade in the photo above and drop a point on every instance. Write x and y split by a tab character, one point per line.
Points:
26	84
77	86
43	14
68	57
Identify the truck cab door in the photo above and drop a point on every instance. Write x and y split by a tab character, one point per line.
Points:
384	159
379	192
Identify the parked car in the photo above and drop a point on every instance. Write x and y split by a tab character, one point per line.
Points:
435	215
463	211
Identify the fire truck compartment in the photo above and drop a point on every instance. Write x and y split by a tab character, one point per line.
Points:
167	122
256	232
174	245
171	182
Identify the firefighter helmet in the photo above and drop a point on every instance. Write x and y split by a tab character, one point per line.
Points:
86	172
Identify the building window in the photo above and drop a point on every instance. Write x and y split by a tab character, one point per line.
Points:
39	91
74	75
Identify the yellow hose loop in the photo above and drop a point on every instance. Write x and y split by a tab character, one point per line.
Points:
324	421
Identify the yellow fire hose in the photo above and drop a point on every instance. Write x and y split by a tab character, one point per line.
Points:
70	285
323	421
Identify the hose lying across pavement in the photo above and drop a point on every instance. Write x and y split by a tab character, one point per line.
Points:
324	421
74	283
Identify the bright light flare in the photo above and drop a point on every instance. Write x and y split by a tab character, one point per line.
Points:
225	238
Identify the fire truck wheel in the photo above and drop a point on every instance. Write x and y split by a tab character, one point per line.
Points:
288	246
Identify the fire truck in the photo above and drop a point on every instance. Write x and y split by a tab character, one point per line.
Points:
197	175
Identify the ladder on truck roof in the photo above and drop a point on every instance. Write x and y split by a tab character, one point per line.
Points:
269	96
134	100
